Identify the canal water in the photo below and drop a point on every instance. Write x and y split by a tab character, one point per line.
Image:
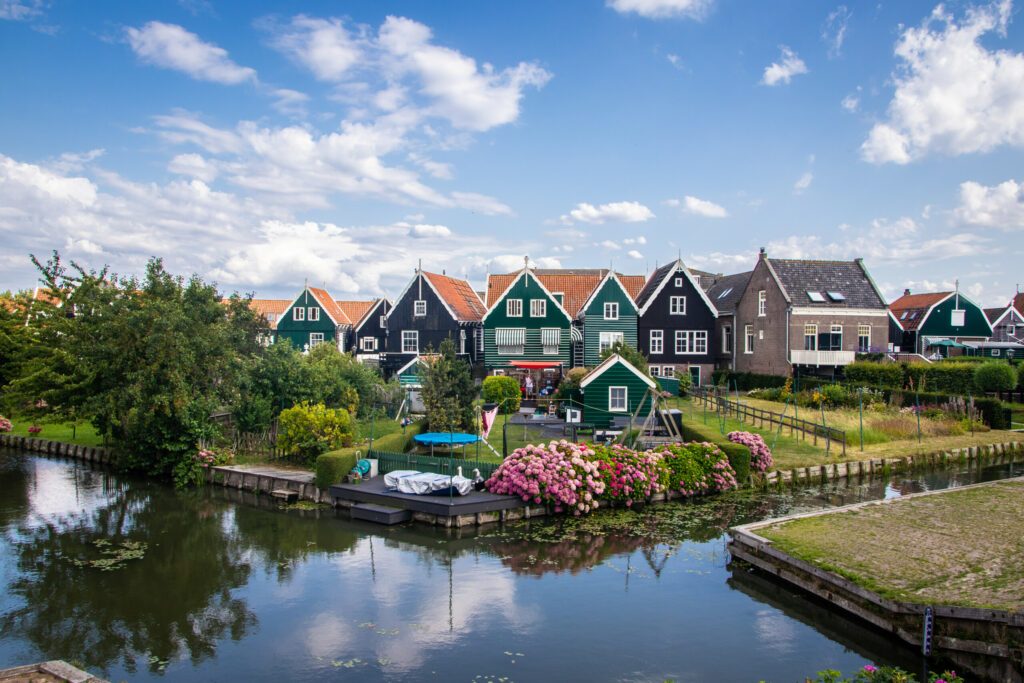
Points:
136	581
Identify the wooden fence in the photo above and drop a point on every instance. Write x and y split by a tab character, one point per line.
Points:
716	399
388	461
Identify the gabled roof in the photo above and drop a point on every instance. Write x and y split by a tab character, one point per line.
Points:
849	279
607	363
458	295
330	306
996	315
265	308
355	311
576	285
660	277
45	296
910	310
611	276
526	272
653	283
374	305
726	290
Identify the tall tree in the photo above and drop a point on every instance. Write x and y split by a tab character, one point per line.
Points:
447	390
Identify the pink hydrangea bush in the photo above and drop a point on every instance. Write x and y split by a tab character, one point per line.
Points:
35	429
630	476
561	474
5	425
697	468
760	455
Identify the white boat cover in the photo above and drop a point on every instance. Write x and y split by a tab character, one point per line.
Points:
426	483
391	478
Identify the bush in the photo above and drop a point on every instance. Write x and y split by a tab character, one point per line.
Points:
995	377
498	388
696	468
309	430
993	413
561	474
745	381
950	378
630	476
874	374
191	470
739	455
332	467
400	441
760	455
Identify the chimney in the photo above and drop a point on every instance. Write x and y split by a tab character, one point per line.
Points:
906	292
763	255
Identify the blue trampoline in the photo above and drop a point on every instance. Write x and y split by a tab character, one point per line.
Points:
446	439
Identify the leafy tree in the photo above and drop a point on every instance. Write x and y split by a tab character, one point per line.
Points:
995	377
447	390
629	354
309	430
502	390
13	335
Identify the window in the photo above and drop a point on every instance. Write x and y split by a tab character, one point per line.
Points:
298	313
383	322
271	317
762	303
609	338
863	338
559	297
748	339
655	371
315	338
479	339
679	282
995	353
691	342
958	316
313	314
538	308
657	341
550	338
836	341
836	296
677	305
810	337
1011	330
462	341
725	293
410	341
903	315
510	341
419	308
368	343
617	399
514	308
696	280
611	310
727	339
816	297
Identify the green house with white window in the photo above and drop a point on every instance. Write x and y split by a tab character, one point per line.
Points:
609	315
525	327
615	389
314	318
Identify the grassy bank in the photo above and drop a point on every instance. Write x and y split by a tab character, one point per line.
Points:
954	548
81	435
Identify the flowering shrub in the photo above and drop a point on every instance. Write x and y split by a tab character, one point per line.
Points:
5	425
630	476
698	467
760	455
191	470
35	429
561	474
884	674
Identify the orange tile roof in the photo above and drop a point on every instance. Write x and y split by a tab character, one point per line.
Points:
266	308
45	296
357	310
329	305
459	295
915	306
576	286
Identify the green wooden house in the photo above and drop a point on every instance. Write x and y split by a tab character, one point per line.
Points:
313	318
926	322
608	316
525	327
615	389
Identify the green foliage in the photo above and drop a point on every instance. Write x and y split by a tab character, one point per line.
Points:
447	391
874	374
631	355
745	381
569	388
950	378
738	454
400	441
13	337
146	360
946	377
308	430
331	467
995	377
883	674
505	391
685	382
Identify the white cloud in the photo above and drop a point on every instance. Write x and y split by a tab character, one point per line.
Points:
803	182
423	230
172	47
834	30
608	244
194	166
634	254
676	61
324	46
635	240
17	10
619	212
701	207
437	169
510	263
481	203
953	95
663	9
850	103
783	71
290	102
1000	206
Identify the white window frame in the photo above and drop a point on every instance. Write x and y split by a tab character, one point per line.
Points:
832	331
479	332
612	403
655	371
611	310
552	349
315	339
1011	330
677	305
414	337
299	314
606	339
538	308
383	322
762	303
863	332
419	308
726	338
995	353
368	344
954	317
679	282
748	339
689	342
313	314
811	331
462	341
657	341
514	308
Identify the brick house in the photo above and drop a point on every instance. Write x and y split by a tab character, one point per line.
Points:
809	316
725	292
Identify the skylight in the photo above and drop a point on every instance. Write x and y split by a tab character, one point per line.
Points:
836	296
816	297
903	316
913	314
725	293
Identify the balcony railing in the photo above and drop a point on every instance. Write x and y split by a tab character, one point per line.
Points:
801	357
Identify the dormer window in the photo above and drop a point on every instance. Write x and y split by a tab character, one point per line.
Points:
419	308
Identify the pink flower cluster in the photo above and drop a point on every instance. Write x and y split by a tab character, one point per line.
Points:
208	458
35	429
561	474
631	476
760	455
5	424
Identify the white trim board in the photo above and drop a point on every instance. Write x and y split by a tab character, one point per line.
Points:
679	266
608	363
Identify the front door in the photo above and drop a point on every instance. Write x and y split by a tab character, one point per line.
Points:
695	375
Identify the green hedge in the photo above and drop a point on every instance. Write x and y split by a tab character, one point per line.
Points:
870	373
745	381
332	467
995	377
502	390
947	377
397	442
739	455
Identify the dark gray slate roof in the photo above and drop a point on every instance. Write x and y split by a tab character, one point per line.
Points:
848	278
726	290
652	283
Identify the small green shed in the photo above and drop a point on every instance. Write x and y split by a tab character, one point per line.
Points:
615	388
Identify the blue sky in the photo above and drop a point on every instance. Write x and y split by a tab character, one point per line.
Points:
262	148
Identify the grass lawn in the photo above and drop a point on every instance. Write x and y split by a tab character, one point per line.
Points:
83	435
1017	409
961	547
